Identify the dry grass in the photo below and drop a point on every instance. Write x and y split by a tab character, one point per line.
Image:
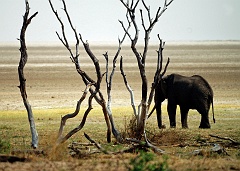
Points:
54	87
178	143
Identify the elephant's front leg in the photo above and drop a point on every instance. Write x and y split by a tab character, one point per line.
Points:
172	114
184	115
159	115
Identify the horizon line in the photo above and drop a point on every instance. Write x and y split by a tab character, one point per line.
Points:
115	43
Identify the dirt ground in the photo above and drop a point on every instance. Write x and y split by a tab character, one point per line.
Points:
52	82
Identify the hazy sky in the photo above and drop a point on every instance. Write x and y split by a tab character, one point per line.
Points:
97	20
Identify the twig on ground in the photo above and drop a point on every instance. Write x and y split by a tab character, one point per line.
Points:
225	138
96	144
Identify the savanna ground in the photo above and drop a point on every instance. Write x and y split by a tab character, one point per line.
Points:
53	88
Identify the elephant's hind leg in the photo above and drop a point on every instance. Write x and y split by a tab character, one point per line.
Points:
184	115
203	109
204	120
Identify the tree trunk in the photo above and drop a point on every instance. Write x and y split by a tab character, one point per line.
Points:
22	80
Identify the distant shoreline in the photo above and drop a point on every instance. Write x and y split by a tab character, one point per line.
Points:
111	43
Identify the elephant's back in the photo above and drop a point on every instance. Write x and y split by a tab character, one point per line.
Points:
190	90
202	85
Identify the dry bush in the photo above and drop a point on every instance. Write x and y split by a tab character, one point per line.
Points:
168	136
130	128
155	135
59	153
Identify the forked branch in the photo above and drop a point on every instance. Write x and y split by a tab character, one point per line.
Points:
158	75
109	78
95	93
64	40
143	108
62	139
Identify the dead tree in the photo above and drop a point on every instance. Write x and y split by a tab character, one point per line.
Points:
22	79
92	85
143	108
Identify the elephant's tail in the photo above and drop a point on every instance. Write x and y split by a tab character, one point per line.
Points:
213	110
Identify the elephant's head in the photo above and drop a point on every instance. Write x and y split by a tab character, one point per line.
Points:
161	90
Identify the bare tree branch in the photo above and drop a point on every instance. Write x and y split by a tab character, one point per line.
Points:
109	83
86	79
75	113
225	138
146	144
141	66
96	94
165	68
96	144
125	30
148	10
64	40
128	88
107	116
141	58
22	79
158	75
75	32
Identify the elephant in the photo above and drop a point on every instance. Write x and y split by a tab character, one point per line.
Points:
189	93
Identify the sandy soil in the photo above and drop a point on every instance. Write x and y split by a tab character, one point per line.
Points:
52	81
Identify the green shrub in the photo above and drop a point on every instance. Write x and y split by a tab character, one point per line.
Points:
145	162
4	146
